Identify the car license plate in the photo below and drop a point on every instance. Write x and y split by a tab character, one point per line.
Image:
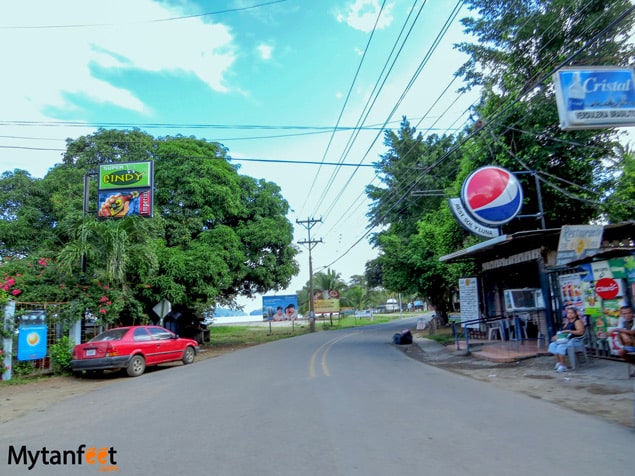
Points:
90	352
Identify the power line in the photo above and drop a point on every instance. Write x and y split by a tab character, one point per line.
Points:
144	22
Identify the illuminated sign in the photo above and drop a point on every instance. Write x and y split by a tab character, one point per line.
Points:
595	97
491	196
125	175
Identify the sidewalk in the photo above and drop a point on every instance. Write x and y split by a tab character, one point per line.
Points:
600	387
605	370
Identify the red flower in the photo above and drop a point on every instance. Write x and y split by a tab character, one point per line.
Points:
104	299
103	311
109	303
16	292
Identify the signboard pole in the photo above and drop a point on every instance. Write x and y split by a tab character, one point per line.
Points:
7	342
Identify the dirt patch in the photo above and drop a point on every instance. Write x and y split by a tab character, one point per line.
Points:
601	387
39	393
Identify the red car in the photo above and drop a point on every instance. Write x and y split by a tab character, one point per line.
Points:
132	348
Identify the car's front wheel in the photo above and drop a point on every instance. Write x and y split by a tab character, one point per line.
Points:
188	355
136	366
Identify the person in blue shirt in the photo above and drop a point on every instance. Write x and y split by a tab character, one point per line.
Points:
572	327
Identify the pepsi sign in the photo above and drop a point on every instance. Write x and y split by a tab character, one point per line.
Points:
492	195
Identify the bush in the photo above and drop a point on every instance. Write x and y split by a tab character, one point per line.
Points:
61	355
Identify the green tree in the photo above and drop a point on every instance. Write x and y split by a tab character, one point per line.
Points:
401	200
328	280
519	45
215	235
415	187
622	204
355	294
25	214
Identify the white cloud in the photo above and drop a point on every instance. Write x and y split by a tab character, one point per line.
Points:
362	15
51	63
265	51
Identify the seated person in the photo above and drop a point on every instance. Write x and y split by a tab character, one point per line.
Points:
574	327
626	333
279	315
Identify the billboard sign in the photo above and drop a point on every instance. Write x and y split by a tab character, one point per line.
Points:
327	301
280	308
32	342
125	175
121	203
490	196
125	189
578	241
595	97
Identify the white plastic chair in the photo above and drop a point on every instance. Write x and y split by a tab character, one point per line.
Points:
577	345
495	327
543	335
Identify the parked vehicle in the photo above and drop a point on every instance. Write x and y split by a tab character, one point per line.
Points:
392	305
132	348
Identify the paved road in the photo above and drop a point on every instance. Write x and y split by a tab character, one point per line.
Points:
330	403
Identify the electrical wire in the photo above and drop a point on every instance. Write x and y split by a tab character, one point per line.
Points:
145	22
507	109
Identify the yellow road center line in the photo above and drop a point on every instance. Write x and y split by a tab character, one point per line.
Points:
324	348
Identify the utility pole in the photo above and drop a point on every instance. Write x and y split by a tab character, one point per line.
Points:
308	224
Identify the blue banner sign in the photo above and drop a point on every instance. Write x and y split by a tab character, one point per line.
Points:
595	97
32	342
280	308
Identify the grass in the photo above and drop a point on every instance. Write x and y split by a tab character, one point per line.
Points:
442	336
242	336
227	336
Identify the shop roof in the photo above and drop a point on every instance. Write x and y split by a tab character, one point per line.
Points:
505	245
617	240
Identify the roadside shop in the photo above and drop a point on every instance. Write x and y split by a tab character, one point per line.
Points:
526	279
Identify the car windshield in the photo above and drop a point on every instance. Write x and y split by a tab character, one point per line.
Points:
113	334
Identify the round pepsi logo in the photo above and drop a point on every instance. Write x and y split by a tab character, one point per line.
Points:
492	195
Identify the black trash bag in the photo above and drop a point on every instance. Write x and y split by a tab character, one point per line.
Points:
406	337
402	338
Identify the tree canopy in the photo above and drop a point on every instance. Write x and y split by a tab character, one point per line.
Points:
215	234
580	175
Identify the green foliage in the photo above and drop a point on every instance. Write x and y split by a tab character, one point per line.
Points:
61	354
581	175
519	46
622	207
23	368
215	235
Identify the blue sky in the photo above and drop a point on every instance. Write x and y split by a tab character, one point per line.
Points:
268	79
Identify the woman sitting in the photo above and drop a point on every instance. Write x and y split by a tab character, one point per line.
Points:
572	327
